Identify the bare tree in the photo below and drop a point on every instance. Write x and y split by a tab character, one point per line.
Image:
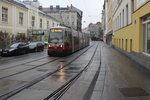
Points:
4	39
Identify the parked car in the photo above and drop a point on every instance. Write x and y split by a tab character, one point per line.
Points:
15	49
36	46
0	52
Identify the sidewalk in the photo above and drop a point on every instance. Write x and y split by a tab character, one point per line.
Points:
120	78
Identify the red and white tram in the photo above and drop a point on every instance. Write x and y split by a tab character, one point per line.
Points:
64	40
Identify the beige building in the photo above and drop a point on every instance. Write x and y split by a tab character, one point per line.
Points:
13	19
38	21
25	19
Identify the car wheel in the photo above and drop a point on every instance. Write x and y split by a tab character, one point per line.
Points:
36	49
26	51
41	49
15	53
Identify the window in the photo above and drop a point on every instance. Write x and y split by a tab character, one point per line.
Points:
4	14
130	45
33	21
122	44
72	16
117	22
67	16
53	24
119	43
126	45
127	15
72	23
132	5
20	18
148	37
123	18
146	40
120	21
47	24
40	23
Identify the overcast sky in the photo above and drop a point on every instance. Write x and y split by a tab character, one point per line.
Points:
91	8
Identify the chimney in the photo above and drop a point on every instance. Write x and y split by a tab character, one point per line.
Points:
71	6
40	7
51	7
57	7
35	0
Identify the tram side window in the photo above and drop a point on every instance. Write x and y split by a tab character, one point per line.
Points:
70	37
66	39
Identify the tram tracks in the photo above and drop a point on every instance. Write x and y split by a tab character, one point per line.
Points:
34	81
33	67
23	63
6	59
56	95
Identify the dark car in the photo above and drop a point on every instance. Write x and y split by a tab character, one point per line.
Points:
15	49
0	52
36	46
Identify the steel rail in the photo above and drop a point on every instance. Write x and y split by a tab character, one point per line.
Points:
60	91
19	89
4	59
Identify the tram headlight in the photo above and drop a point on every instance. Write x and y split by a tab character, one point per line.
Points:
61	45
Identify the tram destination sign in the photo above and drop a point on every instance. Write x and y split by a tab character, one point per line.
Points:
56	30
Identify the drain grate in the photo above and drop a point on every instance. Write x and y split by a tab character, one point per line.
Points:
42	70
133	92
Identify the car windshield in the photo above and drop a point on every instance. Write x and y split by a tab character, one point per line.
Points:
33	43
56	37
14	45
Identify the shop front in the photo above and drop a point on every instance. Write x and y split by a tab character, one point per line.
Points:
38	35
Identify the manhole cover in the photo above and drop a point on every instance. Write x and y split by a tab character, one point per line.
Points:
133	92
42	70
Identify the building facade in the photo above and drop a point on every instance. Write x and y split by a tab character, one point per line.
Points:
130	25
68	16
131	29
25	19
38	21
13	17
107	21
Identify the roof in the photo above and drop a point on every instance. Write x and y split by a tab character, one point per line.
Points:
63	9
17	2
40	12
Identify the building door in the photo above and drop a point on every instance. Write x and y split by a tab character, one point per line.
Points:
148	37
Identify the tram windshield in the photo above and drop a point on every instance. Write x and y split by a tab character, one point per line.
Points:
56	36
